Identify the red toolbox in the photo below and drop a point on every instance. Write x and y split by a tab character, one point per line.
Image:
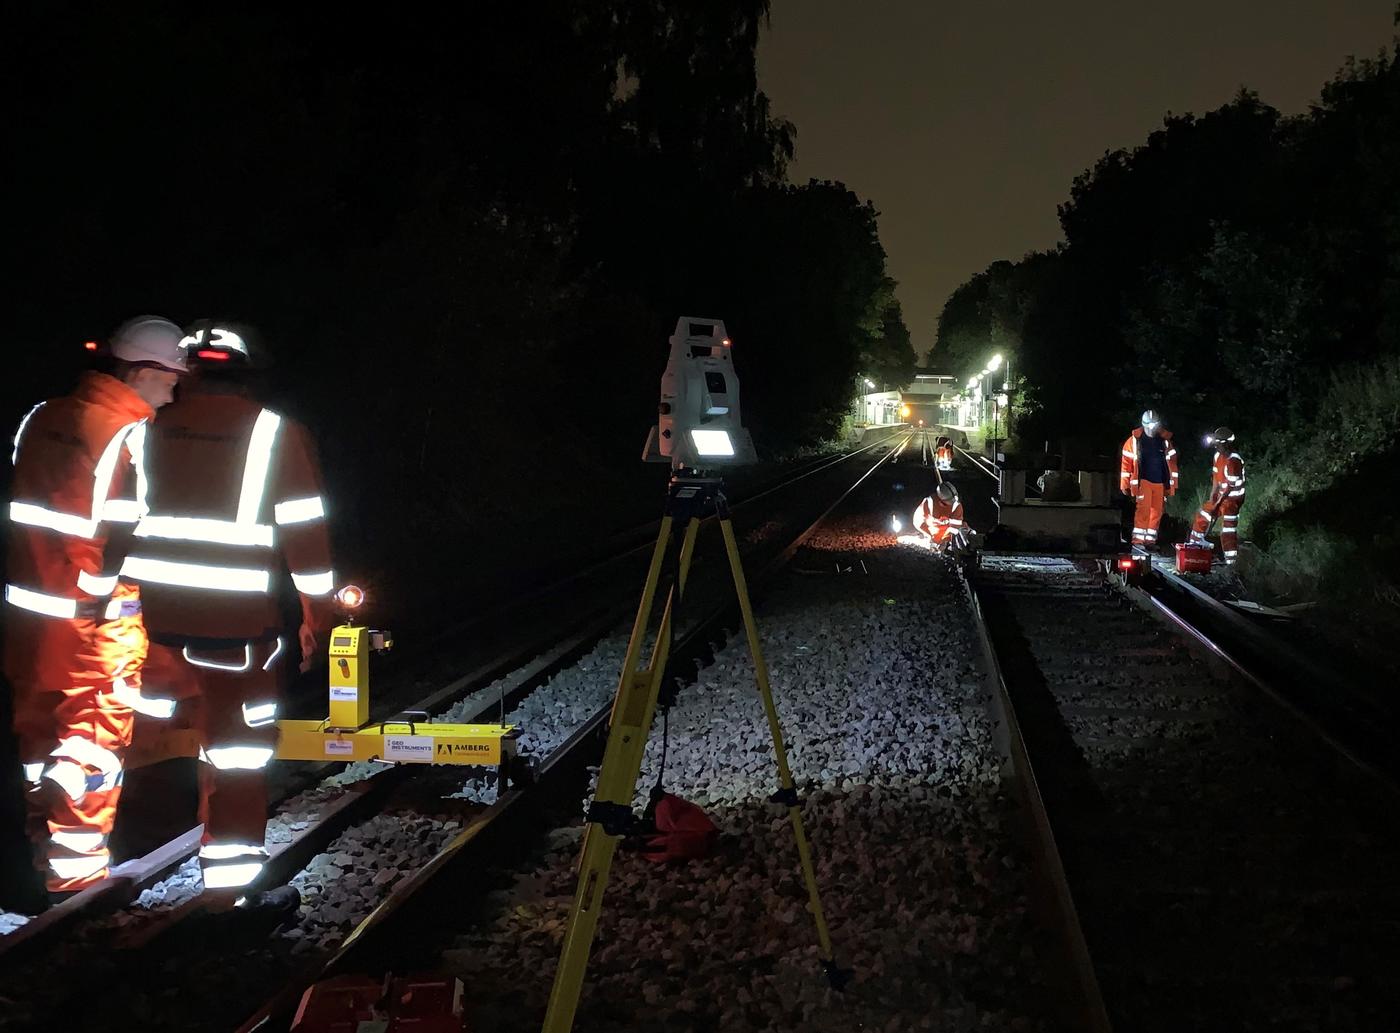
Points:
1193	559
394	1004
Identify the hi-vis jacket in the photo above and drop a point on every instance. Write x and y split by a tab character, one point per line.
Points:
1129	467
937	518
235	495
78	479
1227	478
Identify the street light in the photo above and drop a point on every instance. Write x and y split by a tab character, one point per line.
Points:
996	361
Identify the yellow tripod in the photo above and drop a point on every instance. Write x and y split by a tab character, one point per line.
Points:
610	815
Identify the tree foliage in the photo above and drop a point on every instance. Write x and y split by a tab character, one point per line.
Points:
451	225
1226	271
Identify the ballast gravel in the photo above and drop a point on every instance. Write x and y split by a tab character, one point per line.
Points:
873	664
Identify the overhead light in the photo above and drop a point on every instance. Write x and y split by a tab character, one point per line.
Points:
712	442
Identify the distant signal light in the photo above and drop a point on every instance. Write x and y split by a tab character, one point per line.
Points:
212	355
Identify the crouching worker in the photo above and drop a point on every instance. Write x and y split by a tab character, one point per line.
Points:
235	501
939	518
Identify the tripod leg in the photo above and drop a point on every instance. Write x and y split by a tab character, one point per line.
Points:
787	793
611	811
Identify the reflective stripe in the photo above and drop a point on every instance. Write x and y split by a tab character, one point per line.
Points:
39	516
136	445
1139	530
1133	481
319	583
122	511
82	840
1208	516
33	772
69	776
113	610
150	706
1129	454
217	666
237	758
39	602
255	469
19	432
94	585
296	511
267	665
196	575
78	867
231	876
107	467
1235	494
259	714
1171	453
1232	552
224	851
85	751
205	529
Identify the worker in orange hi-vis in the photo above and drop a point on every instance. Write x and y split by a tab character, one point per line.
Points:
1226	495
1148	472
943	453
74	640
235	499
939	517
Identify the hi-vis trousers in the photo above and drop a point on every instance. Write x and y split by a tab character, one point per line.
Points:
1150	499
228	694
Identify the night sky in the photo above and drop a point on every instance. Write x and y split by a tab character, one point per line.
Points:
965	123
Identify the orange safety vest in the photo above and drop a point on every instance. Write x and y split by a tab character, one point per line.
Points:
937	519
78	472
235	498
1227	478
1129	469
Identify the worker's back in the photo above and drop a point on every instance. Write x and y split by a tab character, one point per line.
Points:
235	497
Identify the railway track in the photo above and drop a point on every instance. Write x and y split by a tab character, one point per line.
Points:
1231	868
456	824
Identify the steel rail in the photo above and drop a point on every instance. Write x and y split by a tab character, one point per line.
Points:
1083	1005
480	843
1153	603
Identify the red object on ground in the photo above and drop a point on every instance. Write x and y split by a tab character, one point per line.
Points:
1193	559
684	831
429	1003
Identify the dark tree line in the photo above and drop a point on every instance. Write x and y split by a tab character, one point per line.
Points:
466	233
1240	268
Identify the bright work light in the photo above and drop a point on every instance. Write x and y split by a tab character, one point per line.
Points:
711	443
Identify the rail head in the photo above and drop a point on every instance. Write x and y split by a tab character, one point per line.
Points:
1084	1001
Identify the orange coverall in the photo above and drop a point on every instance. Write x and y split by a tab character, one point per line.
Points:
1226	498
74	640
938	520
1150	496
236	497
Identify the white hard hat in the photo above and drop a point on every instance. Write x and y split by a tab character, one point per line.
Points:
1150	419
947	492
152	339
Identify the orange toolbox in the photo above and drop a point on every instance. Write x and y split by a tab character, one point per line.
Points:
429	1003
1193	559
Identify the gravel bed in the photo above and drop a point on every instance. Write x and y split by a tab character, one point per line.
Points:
890	743
1230	874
